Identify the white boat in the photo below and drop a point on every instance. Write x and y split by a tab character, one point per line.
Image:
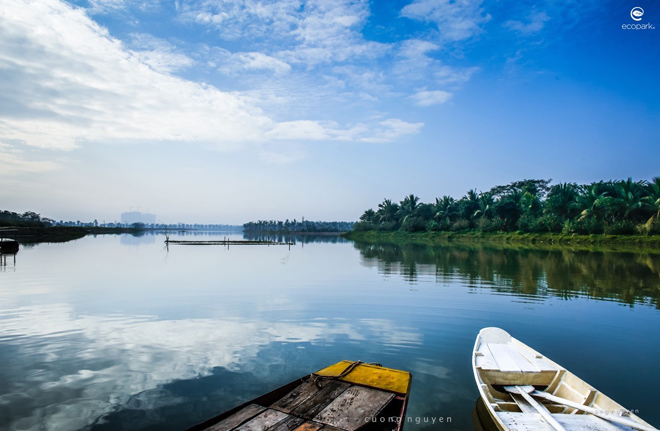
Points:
524	390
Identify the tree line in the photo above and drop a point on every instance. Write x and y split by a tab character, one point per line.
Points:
611	207
27	219
298	226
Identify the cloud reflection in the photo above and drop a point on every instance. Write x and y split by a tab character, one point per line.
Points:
73	369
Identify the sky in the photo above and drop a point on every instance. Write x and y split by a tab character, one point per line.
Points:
228	111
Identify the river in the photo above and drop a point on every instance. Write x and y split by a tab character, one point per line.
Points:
124	333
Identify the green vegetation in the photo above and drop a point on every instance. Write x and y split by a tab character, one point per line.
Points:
303	226
27	219
32	227
605	208
514	240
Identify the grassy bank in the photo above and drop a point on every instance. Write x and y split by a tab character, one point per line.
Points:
515	239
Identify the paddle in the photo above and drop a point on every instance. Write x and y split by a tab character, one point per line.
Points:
596	412
538	407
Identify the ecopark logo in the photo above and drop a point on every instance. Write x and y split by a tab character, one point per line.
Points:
636	14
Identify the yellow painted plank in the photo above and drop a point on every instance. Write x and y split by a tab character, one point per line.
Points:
373	376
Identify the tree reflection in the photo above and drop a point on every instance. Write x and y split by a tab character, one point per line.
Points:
630	278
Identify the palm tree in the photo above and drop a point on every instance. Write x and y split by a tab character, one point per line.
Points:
652	199
485	202
630	195
407	207
444	209
387	211
561	198
369	216
588	201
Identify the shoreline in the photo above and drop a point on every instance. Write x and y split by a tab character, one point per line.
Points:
37	234
634	243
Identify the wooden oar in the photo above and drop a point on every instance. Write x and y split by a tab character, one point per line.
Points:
593	411
545	414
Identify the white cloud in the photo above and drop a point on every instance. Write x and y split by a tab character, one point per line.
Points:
237	63
309	34
428	98
302	129
69	83
447	75
536	23
161	55
13	161
112	6
392	129
456	19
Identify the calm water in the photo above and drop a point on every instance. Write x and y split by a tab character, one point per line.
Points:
118	333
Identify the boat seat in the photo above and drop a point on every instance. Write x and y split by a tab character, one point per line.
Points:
509	360
506	358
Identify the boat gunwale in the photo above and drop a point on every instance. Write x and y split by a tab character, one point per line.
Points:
562	374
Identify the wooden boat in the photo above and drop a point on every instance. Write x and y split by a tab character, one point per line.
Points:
345	396
524	390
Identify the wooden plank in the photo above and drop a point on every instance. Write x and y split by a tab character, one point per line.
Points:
309	426
596	412
524	406
296	397
354	407
543	411
540	361
509	359
484	359
288	424
237	418
263	421
532	422
318	401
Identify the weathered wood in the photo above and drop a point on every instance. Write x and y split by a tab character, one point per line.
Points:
596	412
354	407
311	406
531	422
288	424
309	426
263	421
543	411
296	397
237	418
524	406
226	242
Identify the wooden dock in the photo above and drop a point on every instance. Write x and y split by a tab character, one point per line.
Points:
226	242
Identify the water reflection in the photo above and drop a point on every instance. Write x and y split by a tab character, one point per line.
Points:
65	371
137	239
7	261
631	278
330	238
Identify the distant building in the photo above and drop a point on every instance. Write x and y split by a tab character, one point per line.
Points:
137	217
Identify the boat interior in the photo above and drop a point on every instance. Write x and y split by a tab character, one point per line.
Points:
508	371
369	398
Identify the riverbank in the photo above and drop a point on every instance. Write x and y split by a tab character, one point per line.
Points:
536	240
35	234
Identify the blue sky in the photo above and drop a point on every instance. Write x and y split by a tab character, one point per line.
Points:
235	110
